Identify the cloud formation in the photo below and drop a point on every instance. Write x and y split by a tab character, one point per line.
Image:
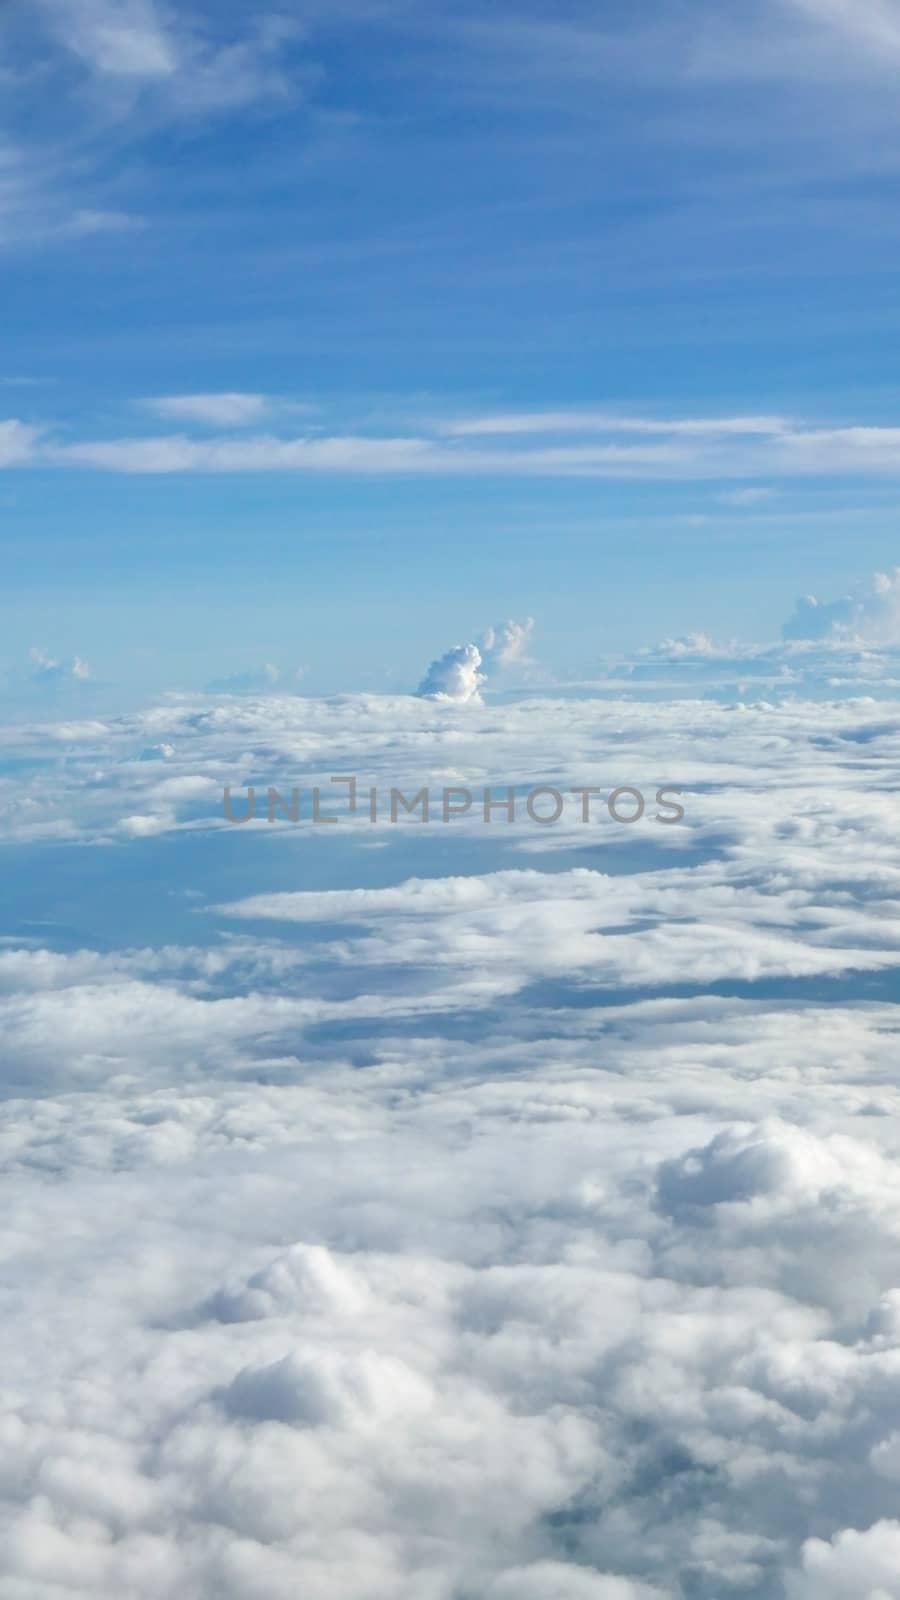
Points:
229	409
506	645
458	676
870	25
537	1216
47	669
149	48
455	676
872	616
548	445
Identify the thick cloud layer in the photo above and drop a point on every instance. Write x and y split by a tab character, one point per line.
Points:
525	1225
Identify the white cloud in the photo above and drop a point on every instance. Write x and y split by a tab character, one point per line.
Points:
678	449
256	453
871	616
47	669
114	72
228	409
692	645
172	55
455	676
822	43
506	644
854	1565
18	442
542	1224
143	827
458	676
574	422
873	25
122	38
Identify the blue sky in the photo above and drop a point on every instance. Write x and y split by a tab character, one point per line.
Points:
585	313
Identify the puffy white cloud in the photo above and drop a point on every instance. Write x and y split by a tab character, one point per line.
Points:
486	1231
696	645
458	674
768	1162
872	615
455	676
506	644
853	1565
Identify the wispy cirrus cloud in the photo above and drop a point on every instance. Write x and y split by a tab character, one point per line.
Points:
873	25
36	205
122	38
356	454
573	422
227	409
558	444
150	46
459	675
747	497
109	73
802	40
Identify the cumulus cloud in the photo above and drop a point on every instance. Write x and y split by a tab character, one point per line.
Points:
843	646
507	644
47	669
871	616
539	1220
460	674
690	645
854	1565
455	676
